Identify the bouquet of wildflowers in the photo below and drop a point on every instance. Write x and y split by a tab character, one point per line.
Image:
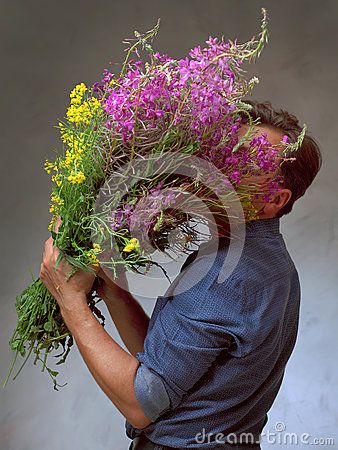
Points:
114	187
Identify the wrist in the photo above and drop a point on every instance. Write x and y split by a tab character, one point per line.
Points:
110	292
78	318
73	304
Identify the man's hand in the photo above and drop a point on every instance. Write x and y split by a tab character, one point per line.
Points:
68	294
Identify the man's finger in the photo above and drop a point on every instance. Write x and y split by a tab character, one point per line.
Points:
57	224
48	249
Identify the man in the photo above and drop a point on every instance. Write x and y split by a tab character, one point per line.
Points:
205	369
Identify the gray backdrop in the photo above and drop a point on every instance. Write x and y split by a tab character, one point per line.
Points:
47	47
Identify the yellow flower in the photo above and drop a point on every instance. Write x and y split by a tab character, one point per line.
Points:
133	244
56	199
83	112
57	178
74	140
97	248
93	258
76	178
55	209
48	166
77	93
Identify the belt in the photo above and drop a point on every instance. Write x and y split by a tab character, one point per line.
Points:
143	443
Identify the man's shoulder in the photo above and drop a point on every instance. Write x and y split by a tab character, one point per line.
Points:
264	261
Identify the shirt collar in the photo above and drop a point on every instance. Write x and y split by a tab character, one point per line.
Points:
263	227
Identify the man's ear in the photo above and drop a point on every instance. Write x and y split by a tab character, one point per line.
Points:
277	202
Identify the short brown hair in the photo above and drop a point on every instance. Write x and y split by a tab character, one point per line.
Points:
299	173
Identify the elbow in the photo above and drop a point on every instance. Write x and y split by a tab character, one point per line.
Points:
139	420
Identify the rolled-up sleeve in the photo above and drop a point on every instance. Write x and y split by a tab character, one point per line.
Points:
151	392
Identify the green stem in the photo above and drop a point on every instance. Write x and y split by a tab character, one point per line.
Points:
11	369
25	360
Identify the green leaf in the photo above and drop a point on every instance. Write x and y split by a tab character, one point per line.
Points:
48	326
15	344
35	329
54	373
58	260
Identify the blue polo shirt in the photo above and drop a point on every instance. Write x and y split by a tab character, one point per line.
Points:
214	356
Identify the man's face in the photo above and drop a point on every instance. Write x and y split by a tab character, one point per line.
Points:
265	209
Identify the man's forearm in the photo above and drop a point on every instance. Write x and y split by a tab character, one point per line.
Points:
129	317
112	367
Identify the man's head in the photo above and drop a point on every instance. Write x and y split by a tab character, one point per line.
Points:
298	170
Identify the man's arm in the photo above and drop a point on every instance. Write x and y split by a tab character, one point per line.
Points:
128	315
113	368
